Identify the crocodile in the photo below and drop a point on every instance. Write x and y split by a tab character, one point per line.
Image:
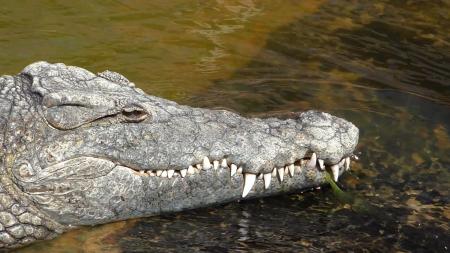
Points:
79	149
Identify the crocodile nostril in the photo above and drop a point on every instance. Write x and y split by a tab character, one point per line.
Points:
134	114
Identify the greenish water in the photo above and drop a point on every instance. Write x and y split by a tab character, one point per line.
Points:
384	65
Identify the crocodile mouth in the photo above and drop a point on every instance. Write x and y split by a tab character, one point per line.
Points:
282	173
288	174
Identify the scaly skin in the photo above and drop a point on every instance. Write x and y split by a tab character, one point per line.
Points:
83	149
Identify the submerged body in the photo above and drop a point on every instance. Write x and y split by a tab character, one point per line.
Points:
84	149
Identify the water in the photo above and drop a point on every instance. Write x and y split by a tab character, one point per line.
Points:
384	65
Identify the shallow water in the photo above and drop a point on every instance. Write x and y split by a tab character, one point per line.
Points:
384	65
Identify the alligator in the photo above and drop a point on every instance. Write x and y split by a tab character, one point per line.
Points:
80	149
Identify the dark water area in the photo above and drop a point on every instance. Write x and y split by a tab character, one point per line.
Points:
384	65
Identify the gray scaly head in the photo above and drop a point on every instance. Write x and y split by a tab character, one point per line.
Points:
85	149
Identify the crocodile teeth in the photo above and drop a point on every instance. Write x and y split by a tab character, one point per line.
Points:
280	174
347	163
224	163
335	170
303	162
291	170
321	164
233	169
206	163
142	172
249	181
267	178
312	162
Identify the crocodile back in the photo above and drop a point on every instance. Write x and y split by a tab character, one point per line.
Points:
5	109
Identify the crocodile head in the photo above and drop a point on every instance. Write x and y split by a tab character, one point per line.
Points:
88	149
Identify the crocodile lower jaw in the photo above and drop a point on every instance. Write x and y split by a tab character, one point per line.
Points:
282	173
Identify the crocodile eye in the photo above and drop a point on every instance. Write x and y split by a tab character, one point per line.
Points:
134	113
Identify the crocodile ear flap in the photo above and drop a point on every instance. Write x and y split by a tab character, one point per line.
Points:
67	117
70	110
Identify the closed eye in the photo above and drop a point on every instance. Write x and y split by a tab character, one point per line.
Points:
134	114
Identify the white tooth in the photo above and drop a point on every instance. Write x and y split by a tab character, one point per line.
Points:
142	172
183	172
347	163
286	170
164	174
216	165
249	181
321	164
159	172
335	170
198	166
224	163
274	172
151	173
206	163
303	162
341	163
170	173
267	178
240	170
291	170
355	157
281	174
191	170
260	176
312	162
233	169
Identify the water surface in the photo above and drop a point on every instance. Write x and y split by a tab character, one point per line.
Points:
384	65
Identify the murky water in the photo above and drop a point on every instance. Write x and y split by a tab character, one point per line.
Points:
384	65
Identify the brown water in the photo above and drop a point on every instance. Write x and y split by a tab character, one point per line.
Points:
384	65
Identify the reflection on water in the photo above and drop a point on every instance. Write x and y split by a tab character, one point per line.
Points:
384	65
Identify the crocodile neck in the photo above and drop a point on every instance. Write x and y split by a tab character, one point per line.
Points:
20	222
